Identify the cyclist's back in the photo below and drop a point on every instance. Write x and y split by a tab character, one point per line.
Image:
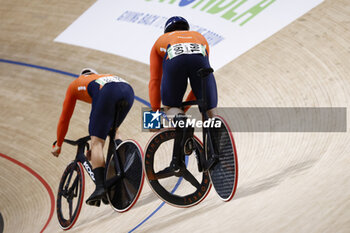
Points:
87	88
177	37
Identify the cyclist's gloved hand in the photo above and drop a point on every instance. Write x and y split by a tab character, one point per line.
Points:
56	150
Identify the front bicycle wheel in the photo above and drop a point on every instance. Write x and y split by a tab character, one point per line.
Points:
70	195
224	172
184	188
124	176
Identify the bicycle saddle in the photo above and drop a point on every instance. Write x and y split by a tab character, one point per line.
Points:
204	72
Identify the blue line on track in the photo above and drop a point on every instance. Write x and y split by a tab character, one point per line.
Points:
39	67
142	101
161	205
136	98
61	72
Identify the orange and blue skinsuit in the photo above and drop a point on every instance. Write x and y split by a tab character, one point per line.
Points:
103	91
175	57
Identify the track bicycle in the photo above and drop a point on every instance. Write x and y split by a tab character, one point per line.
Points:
212	163
123	178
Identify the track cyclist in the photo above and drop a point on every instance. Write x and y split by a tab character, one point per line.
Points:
175	57
104	92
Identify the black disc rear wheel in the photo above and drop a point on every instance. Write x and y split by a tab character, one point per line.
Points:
124	176
224	173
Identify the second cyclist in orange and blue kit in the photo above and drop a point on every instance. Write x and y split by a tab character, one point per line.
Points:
176	57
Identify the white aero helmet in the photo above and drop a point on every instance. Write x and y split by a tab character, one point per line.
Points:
87	71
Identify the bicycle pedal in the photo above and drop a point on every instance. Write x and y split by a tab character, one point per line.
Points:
174	167
105	200
96	203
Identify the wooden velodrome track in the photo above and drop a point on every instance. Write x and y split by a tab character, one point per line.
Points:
288	182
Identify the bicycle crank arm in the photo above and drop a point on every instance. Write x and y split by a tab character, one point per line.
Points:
189	177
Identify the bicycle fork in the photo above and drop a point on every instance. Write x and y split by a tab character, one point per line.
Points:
212	157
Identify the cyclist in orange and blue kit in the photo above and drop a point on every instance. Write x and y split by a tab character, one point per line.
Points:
104	92
175	57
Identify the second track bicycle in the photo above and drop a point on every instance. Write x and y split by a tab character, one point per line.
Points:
213	162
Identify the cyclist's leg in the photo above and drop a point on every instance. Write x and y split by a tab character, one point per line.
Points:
212	112
125	101
96	155
183	139
174	83
101	120
97	158
173	88
97	161
199	61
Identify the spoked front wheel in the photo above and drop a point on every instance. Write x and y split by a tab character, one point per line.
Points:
70	195
224	172
183	188
124	176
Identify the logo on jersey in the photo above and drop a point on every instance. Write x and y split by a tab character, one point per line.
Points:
151	120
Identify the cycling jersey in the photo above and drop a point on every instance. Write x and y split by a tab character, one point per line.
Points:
85	88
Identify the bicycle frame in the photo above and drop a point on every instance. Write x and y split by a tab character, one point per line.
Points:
218	162
80	156
82	143
71	188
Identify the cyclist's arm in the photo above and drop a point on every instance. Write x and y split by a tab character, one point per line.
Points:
67	112
207	48
155	80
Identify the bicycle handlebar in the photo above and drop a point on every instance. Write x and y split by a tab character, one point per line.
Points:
78	142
